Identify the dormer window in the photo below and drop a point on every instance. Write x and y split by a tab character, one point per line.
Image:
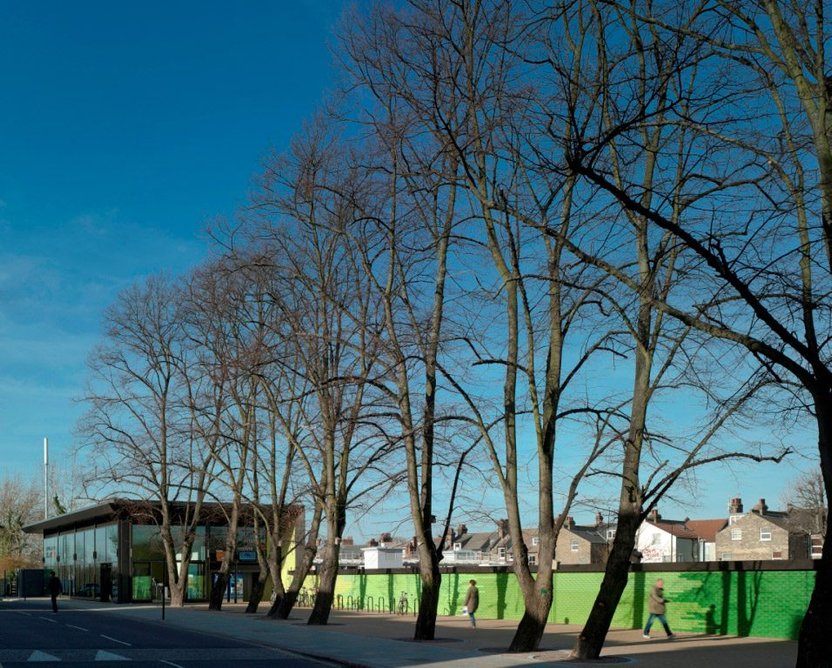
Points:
536	540
610	534
457	547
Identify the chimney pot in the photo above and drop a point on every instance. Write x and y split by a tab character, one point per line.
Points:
761	508
735	506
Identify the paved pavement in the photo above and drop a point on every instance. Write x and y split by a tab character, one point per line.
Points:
384	641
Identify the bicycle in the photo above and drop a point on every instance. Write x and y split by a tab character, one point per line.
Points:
403	606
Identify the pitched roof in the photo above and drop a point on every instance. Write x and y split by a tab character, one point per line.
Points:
592	534
674	528
707	529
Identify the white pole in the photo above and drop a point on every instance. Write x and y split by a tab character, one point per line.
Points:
45	478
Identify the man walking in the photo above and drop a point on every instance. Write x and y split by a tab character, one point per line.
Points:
55	589
657	607
472	602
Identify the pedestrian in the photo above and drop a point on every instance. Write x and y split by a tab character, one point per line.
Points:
472	602
657	606
55	589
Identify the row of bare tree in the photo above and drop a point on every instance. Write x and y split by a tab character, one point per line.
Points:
587	241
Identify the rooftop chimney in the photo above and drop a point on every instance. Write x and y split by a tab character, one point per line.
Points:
760	508
461	530
599	519
502	528
735	506
570	521
654	515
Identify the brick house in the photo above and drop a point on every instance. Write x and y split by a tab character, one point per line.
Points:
760	535
478	547
576	545
579	544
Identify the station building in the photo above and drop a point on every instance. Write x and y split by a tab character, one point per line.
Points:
113	550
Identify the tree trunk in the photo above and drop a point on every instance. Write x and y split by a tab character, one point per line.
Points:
429	599
814	648
537	598
286	598
256	594
530	630
325	594
218	588
591	640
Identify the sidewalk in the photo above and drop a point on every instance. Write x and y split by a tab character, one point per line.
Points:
384	641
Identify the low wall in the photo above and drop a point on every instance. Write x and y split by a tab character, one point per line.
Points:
762	599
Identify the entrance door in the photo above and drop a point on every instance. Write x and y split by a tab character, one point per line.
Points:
146	576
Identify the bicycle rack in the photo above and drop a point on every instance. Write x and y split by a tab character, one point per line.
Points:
339	601
370	603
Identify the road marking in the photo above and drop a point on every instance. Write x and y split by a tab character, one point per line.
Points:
109	656
170	663
116	640
37	655
80	628
48	619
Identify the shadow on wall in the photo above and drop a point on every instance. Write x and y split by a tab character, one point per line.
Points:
639	596
501	580
748	599
453	606
718	594
362	589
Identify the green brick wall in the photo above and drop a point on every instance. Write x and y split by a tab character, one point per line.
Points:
763	603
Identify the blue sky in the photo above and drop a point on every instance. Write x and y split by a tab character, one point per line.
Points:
126	128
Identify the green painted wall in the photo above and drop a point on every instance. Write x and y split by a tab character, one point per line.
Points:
766	604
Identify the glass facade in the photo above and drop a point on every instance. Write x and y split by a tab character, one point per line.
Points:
149	563
79	557
102	551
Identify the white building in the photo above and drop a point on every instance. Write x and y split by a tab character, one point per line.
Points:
378	556
661	541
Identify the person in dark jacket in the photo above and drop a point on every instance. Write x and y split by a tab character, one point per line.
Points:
657	607
55	589
472	602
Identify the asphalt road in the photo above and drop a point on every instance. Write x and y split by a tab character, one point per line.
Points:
31	632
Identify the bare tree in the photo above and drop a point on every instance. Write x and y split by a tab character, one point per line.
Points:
138	425
446	64
21	502
805	498
326	313
221	313
406	240
765	263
